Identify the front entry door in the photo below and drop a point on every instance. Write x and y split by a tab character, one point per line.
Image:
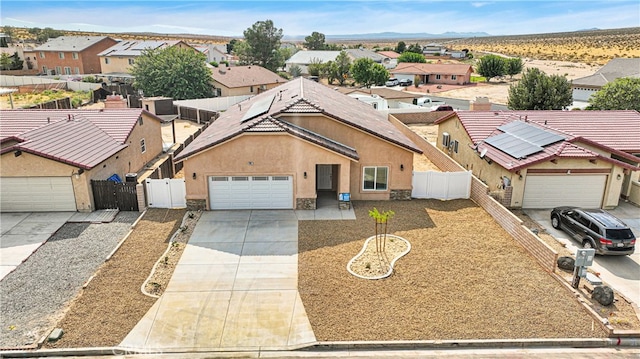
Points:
324	177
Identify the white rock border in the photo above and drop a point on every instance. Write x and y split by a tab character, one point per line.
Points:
364	247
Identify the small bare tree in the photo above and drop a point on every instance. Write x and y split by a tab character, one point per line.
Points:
381	219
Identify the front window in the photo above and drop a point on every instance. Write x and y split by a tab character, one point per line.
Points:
75	55
67	70
453	77
42	54
61	55
106	60
438	77
143	146
77	70
131	61
58	70
375	178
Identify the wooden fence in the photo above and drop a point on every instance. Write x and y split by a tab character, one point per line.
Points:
112	195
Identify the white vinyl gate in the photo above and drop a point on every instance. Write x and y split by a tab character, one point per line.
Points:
166	193
441	185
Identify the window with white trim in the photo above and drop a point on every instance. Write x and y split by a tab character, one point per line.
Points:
106	60
61	55
67	70
453	77
455	146
375	178
143	146
74	55
58	70
131	61
42	54
76	70
437	77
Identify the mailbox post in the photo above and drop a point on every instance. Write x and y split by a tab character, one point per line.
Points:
584	259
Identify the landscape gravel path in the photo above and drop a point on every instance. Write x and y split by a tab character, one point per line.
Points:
34	296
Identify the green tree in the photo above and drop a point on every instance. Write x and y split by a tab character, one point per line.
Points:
491	66
295	70
315	41
401	47
5	61
315	67
341	67
263	40
537	91
48	33
415	48
513	66
621	94
230	45
173	72
411	57
366	72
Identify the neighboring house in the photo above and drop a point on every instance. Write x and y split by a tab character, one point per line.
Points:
584	87
70	55
392	97
244	80
49	157
214	53
392	57
307	57
282	147
450	74
119	58
434	49
543	159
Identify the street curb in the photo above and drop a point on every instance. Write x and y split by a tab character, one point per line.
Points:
324	347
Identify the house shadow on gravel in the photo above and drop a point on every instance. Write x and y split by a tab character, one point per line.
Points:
409	215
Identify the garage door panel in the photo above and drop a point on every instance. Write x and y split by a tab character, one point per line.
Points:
564	190
251	192
36	194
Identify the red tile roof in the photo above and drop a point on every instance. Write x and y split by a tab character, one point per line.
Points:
617	132
301	96
82	138
243	76
389	54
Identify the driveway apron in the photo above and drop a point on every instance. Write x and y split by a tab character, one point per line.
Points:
234	288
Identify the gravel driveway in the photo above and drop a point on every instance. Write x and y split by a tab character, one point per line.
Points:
34	296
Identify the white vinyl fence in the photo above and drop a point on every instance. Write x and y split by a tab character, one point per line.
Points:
166	193
441	185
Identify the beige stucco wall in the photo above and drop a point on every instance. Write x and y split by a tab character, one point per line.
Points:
116	64
128	160
372	151
245	90
492	173
269	154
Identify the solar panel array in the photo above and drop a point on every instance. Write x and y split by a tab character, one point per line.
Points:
521	139
258	108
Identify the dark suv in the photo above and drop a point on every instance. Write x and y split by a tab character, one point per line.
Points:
595	228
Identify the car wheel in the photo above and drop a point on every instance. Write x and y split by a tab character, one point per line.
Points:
555	221
587	244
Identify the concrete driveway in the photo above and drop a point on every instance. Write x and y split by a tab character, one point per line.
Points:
619	272
23	233
234	288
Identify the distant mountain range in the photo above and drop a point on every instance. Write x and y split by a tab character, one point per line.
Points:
395	36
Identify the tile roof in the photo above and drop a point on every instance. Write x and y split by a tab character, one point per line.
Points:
428	69
70	43
242	76
82	138
615	68
389	54
617	132
301	96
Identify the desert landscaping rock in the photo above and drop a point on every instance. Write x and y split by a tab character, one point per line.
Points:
603	295
35	294
566	263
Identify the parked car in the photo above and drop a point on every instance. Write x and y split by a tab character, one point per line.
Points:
443	108
405	82
392	82
595	228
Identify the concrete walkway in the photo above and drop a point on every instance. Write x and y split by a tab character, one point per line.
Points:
234	288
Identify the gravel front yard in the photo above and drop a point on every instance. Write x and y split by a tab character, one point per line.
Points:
106	311
465	278
34	295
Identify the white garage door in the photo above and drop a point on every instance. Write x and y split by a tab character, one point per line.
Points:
251	192
564	190
36	194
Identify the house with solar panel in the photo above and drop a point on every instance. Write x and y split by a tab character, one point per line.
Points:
288	146
544	159
118	59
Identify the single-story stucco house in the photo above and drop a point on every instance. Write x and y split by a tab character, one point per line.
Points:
544	159
281	148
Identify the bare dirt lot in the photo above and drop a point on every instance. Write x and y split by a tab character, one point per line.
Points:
465	278
498	90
